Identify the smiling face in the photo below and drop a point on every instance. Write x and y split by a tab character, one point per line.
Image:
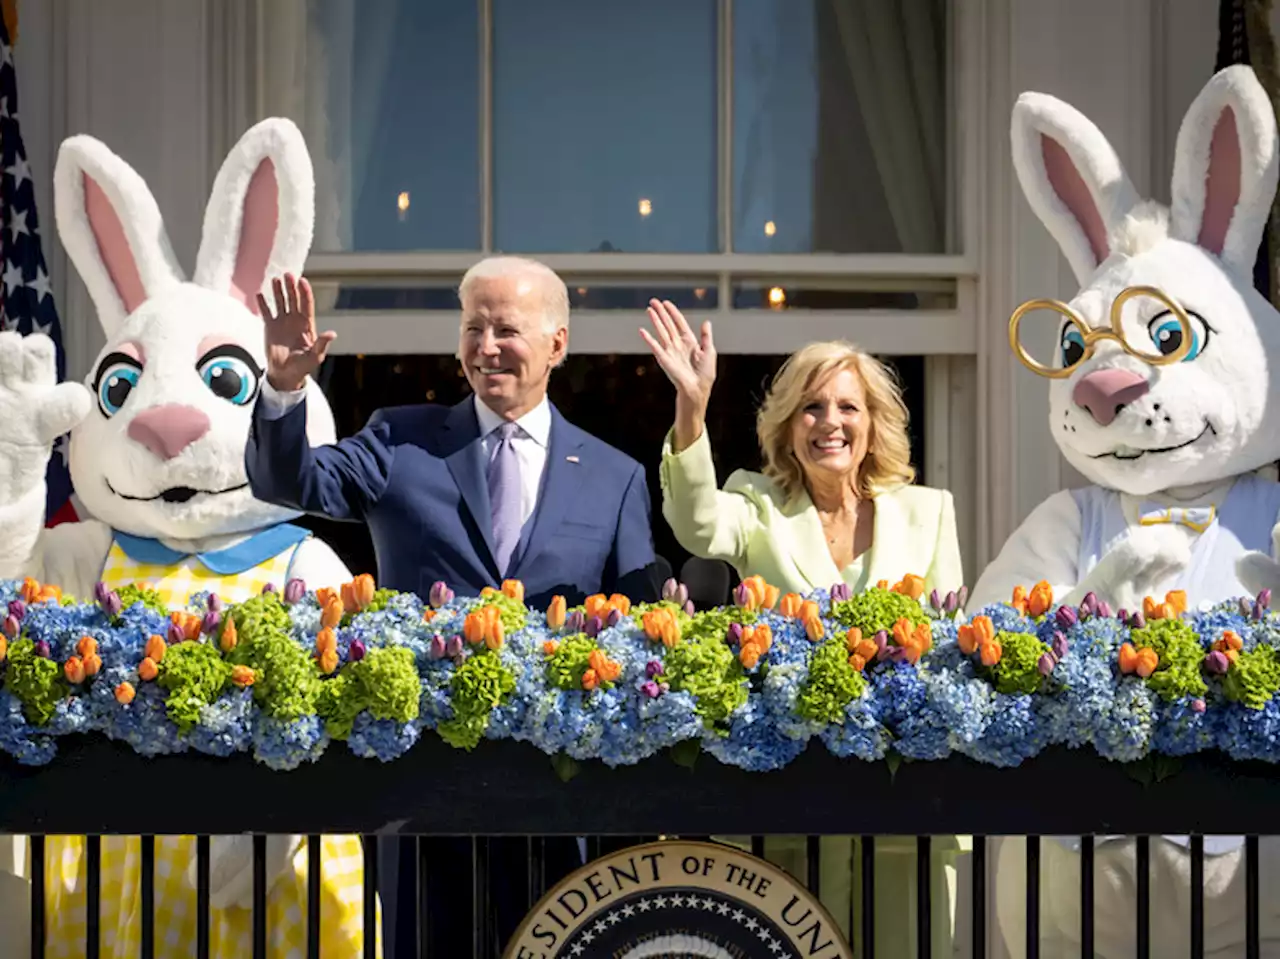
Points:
507	353
162	452
1140	428
831	431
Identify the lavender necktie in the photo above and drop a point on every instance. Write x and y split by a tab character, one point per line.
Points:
504	495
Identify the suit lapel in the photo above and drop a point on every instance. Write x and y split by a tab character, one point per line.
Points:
562	479
809	548
466	463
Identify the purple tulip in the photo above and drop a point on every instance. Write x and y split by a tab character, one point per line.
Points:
741	595
440	594
269	588
17	609
1217	663
42	649
1258	611
962	597
1264	598
1060	645
682	595
357	651
1246	607
653	668
881	639
454	648
1138	621
210	622
460	658
898	654
733	635
669	589
688	607
100	592
11	626
1197	705
1104	609
651	689
614	617
214	602
112	605
1066	617
175	634
294	590
935	601
575	622
438	647
593	626
1123	615
951	603
1090	603
1046	664
839	593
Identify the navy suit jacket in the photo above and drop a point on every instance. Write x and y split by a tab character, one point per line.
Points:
416	475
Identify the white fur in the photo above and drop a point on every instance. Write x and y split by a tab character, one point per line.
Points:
167	328
1232	387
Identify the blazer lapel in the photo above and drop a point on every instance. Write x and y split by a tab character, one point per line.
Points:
809	549
465	458
562	479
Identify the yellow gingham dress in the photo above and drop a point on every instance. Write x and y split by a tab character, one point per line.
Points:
230	929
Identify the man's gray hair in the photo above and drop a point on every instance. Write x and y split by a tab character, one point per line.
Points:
555	295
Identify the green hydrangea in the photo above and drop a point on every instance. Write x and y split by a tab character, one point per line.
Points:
570	660
479	685
877	609
385	683
1181	657
683	618
832	684
381	597
1019	668
708	670
195	675
132	593
36	681
1254	677
287	683
710	625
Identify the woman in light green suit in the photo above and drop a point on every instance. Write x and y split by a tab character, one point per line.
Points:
833	503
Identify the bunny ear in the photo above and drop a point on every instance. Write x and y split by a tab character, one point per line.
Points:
1072	178
1224	170
111	228
261	213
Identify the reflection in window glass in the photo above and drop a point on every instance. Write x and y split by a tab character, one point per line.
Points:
604	125
398	131
839	126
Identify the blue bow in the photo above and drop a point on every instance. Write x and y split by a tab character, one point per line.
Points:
1198	518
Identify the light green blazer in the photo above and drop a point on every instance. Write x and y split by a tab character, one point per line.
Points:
750	525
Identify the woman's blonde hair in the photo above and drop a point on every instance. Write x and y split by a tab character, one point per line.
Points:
887	465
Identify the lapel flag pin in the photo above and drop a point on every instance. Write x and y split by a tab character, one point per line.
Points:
572	459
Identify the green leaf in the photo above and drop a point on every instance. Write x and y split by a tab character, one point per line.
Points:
685	753
566	766
893	760
1141	770
1166	767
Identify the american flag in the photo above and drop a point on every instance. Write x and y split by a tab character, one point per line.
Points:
26	298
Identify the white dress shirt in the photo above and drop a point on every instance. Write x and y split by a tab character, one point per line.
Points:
531	440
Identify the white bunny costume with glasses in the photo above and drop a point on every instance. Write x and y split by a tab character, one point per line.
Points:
1171	449
157	458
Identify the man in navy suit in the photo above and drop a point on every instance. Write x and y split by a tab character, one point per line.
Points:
499	486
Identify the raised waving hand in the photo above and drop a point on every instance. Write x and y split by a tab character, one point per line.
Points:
294	350
689	362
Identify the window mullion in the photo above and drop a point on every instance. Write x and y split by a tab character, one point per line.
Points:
486	125
724	126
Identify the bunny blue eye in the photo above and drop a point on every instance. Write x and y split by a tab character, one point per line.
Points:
1166	334
231	374
117	375
1072	343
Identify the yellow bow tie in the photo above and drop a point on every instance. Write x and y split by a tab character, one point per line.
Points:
1198	518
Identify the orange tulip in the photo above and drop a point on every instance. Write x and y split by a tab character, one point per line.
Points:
914	652
4	647
326	640
590	680
749	656
349	602
611	670
867	649
1177	598
852	638
902	632
790	605
487	592
771	594
1019	600
92	664
244	676
230	638
494	634
148	670
513	589
1041	599
1148	660
1233	655
49	593
967	639
911	585
670	632
1150	608
328	661
325	594
858	662
991	653
974	633
596	605
621	603
87	646
597	659
1230	640
814	629
125	693
156	646
762	637
363	587
549	647
73	669
652	624
30	590
473	627
331	615
1128	658
557	612
428	614
188	624
882	584
809	610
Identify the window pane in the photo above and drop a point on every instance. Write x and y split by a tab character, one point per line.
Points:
396	136
839	126
604	125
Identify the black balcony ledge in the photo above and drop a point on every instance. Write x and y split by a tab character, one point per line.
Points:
97	786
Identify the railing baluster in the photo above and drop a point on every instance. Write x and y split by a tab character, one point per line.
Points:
1197	897
148	897
1033	897
868	896
202	897
757	846
924	904
369	930
479	899
813	862
1142	865
423	924
259	897
93	895
315	880
537	869
1252	941
37	897
978	880
1086	897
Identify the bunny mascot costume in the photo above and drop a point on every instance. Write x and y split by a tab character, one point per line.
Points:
1165	393
157	458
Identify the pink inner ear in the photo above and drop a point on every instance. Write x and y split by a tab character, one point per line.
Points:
1071	189
113	246
257	234
1222	183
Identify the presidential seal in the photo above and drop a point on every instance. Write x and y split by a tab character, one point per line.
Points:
678	900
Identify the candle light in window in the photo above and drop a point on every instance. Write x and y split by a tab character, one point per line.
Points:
582	291
646	207
402	204
770	228
777	297
700	293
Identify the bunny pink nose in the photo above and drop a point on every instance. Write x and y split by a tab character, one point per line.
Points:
168	430
1104	393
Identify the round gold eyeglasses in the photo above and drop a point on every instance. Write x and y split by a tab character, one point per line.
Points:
1087	339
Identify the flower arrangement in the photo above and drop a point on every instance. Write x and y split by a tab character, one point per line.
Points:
886	672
